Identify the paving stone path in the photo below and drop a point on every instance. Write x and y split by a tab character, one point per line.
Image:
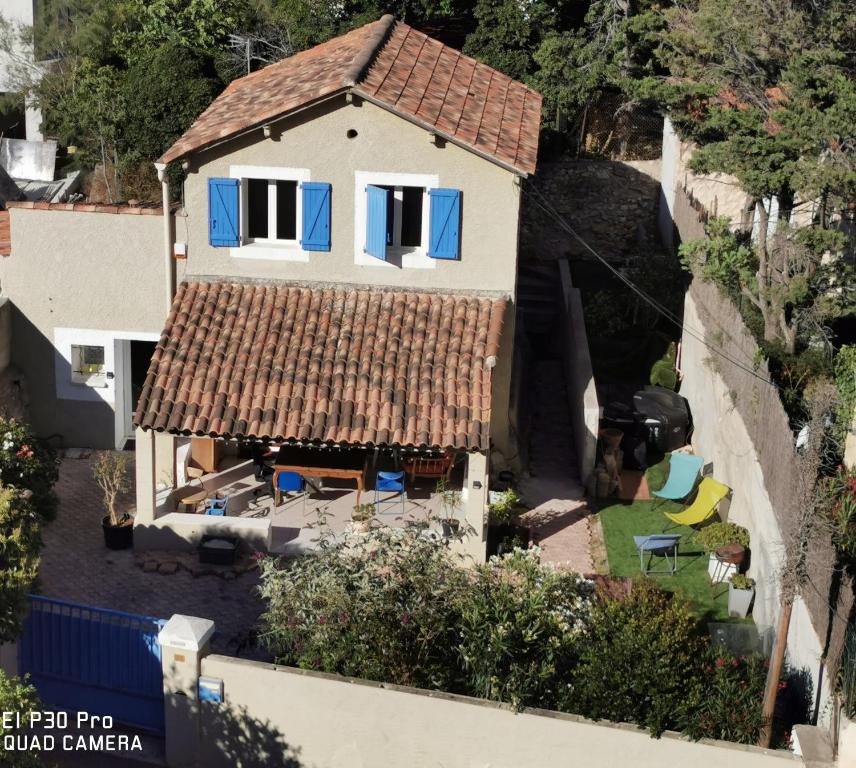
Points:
558	513
76	566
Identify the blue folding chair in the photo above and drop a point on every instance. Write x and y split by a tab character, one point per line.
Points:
389	482
216	507
287	482
684	471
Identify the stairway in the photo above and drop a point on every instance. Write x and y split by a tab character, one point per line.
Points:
537	294
558	515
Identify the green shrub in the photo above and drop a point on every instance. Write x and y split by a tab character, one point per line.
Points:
717	535
505	509
845	383
28	463
522	629
729	706
663	373
386	608
741	581
18	697
639	661
20	543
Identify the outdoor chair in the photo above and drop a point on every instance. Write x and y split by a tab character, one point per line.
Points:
710	493
389	483
684	471
216	507
658	544
434	468
287	482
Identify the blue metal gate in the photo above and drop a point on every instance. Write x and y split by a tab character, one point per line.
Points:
85	659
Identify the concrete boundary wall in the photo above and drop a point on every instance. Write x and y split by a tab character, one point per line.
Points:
582	396
331	722
724	439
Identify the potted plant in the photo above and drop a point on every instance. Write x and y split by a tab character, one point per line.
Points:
362	517
741	590
111	473
450	503
727	544
503	522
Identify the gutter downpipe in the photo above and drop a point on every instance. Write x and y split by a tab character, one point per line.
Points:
167	235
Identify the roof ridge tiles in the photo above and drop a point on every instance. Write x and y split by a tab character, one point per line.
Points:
365	56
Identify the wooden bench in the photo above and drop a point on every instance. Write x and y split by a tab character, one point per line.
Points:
437	468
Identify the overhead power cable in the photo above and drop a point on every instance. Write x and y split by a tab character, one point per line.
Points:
548	208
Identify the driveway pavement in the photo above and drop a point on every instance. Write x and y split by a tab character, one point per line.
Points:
76	566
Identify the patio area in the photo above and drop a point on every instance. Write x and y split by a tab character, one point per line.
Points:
326	504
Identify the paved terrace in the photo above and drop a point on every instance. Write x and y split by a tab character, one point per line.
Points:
76	566
325	509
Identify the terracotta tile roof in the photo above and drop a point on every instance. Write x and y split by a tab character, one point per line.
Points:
367	366
5	234
396	66
467	101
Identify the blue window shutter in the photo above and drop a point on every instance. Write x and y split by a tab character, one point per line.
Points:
316	216
376	234
445	223
223	217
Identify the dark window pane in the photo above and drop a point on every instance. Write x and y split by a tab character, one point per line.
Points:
286	210
411	216
257	208
390	213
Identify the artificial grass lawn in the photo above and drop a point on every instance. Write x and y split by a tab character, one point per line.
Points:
623	520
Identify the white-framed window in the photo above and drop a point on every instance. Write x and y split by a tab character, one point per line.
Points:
271	208
407	224
88	365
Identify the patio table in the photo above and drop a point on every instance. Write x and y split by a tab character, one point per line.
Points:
344	463
190	498
662	544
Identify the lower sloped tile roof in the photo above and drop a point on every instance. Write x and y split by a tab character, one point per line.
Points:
322	364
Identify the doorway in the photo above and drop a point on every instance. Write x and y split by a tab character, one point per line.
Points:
136	357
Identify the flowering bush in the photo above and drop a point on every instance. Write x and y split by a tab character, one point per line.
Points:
385	608
395	607
521	627
18	697
729	702
20	543
639	662
28	463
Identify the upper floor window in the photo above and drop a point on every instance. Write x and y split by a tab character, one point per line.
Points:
271	210
269	213
405	220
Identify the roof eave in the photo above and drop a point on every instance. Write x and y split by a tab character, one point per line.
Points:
164	160
357	91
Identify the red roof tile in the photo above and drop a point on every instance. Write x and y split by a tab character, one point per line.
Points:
377	367
5	234
396	67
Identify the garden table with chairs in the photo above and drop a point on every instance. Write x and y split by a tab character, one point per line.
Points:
341	463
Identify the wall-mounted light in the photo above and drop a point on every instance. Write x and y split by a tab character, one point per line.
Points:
477	484
266	131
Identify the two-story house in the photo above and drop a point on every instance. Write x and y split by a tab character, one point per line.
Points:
341	271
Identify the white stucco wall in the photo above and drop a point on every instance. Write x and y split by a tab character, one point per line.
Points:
719	193
317	141
721	437
80	278
332	721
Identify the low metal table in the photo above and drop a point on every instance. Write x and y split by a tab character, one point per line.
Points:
661	544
